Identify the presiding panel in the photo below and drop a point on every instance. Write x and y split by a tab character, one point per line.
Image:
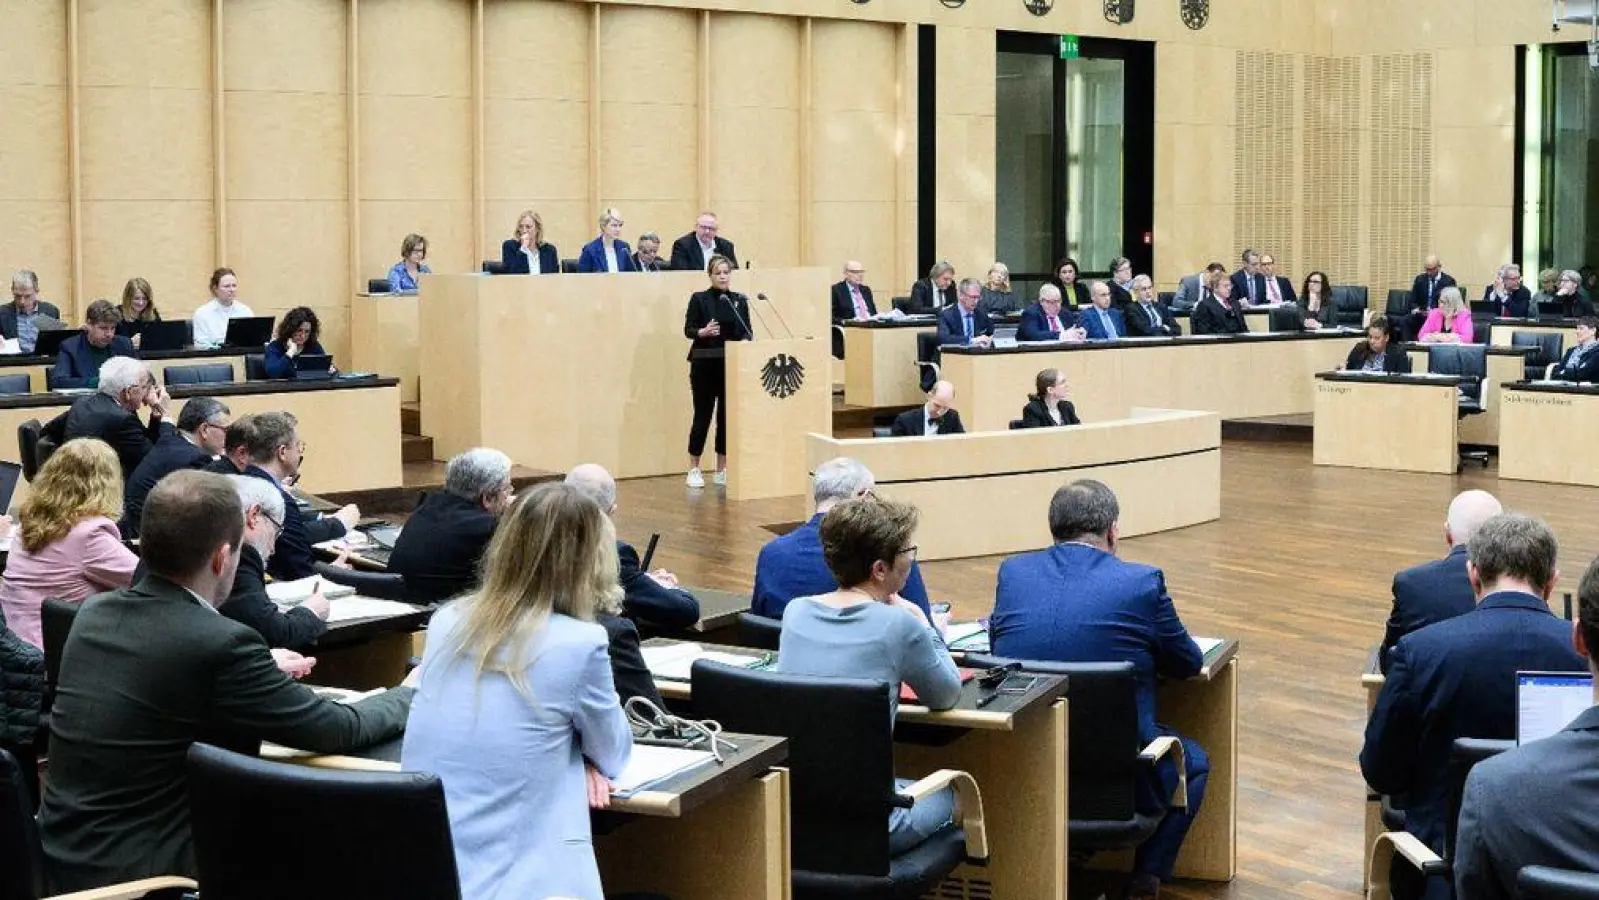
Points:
111	413
440	549
715	316
79	360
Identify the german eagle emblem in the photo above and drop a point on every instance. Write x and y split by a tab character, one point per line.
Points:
782	376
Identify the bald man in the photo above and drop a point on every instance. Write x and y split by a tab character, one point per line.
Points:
852	302
936	416
651	598
1439	590
1424	294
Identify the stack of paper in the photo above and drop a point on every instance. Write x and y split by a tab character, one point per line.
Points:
348	607
971	637
293	593
675	662
651	764
1207	644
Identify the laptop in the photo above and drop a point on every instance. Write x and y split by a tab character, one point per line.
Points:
10	474
49	342
383	535
313	366
1546	702
252	332
157	336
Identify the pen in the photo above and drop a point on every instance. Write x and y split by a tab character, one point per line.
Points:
987	700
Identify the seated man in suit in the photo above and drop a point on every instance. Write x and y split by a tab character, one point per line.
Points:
933	417
1424	294
111	413
150	670
693	251
1077	602
965	323
276	453
1534	805
1580	363
937	291
79	360
1145	317
247	602
27	315
440	546
1440	589
1100	321
198	439
1049	320
1457	678
792	565
1248	284
1509	297
1217	313
235	456
852	302
648	256
1193	288
651	598
1278	288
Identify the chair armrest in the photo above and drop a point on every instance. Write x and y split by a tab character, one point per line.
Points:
1157	750
1549	371
1408	847
1365	317
131	889
968	805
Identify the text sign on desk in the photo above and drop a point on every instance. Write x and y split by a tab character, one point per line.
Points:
1523	398
1333	389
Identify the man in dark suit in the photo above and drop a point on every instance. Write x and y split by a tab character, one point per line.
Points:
1278	288
965	323
199	438
1439	590
1077	602
852	300
276	453
27	315
1249	285
247	602
648	256
650	598
937	291
235	456
1581	362
1536	805
1145	317
1048	320
112	413
1457	678
79	360
1100	321
1424	294
1218	313
1191	289
693	251
933	417
149	670
1510	298
441	545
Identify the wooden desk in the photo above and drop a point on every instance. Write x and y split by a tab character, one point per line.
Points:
1405	423
34	366
1548	433
880	363
1371	681
719	611
1505	365
1501	330
1236	377
383	338
366	653
993	488
712	833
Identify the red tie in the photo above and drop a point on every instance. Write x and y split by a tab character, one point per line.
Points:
860	305
1054	324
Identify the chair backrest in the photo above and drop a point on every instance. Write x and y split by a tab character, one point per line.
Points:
1018	424
19	835
1465	360
927	347
1166	297
568	266
1550	345
759	631
1398	303
16	384
55	623
493	267
210	373
355	834
28	434
1349	303
382	585
255	367
1465	753
378	286
49	376
45	449
1287	318
903	304
841	790
1544	883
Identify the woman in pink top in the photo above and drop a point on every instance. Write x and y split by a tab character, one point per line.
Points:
1449	322
67	544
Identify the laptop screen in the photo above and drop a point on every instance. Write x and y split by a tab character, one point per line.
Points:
1546	702
10	473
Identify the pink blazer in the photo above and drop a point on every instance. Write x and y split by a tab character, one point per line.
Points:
1435	324
89	560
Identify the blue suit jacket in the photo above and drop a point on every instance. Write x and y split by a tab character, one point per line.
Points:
292	555
1035	326
792	566
1451	680
74	365
279	364
1096	329
952	331
592	257
650	603
171	453
1428	593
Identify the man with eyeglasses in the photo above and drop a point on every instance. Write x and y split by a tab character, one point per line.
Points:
852	302
693	251
248	603
199	439
276	452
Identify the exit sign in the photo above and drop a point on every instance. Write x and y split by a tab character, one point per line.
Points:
1068	47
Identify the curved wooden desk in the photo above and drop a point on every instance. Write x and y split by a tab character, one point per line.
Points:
989	492
1548	433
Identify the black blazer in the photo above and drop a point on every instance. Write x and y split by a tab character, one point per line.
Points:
171	452
648	602
844	307
1034	325
292	556
1587	370
926	298
951	330
75	366
148	671
910	423
1395	360
628	669
440	547
1210	317
660	265
8	316
1119	296
516	264
248	604
686	253
1241	281
1036	415
1428	593
99	415
1516	306
1138	323
713	304
1418	289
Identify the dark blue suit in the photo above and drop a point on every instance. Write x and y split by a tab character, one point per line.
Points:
1035	325
172	451
792	566
279	364
1095	326
951	330
649	602
1075	603
1241	287
291	555
592	257
1424	291
1428	593
1451	680
516	263
76	366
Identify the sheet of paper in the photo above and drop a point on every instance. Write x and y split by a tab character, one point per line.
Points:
1208	644
650	764
289	593
676	662
346	608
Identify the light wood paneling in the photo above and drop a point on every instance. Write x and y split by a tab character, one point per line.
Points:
35	228
1346	410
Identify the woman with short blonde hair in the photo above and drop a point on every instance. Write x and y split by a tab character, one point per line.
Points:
526	252
1449	322
608	252
998	298
403	275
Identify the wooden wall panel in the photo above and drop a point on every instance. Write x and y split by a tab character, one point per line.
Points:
1330	169
854	135
35	229
1400	233
1264	173
1194	159
965	158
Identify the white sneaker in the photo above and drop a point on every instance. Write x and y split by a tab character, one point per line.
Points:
695	479
720	477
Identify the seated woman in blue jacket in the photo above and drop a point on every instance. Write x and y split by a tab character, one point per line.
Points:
297	334
525	252
608	252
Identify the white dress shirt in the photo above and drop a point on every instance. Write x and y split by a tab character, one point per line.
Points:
210	321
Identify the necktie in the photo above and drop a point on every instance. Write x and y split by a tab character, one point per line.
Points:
1104	320
1272	296
1432	287
1154	320
860	305
967	318
1252	294
1054	324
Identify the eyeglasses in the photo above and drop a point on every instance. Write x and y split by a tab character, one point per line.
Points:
275	523
911	550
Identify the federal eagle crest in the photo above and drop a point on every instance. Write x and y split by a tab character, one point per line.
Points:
782	376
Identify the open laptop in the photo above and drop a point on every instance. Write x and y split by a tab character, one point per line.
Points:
313	366
252	332
10	474
49	342
1546	702
157	336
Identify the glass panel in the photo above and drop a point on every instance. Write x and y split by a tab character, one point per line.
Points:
1094	172
1024	170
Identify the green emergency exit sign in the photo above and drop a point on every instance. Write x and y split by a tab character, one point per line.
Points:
1068	46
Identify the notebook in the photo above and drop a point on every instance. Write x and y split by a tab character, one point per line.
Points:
651	764
346	608
1546	702
675	662
293	593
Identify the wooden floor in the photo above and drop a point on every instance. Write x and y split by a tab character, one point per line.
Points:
1298	567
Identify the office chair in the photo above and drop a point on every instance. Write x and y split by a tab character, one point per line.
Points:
50	377
378	286
210	373
568	267
1393	846
355	834
927	358
16	384
1018	424
255	367
841	791
1550	345
1285	318
1165	298
382	585
1349	304
1545	883
903	304
493	267
45	449
1470	362
838	342
28	434
55	624
760	632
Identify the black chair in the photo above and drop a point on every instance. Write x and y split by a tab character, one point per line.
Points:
50	377
356	834
16	384
903	304
760	632
842	790
45	449
378	286
255	367
28	434
1349	304
1392	846
1470	362
1165	298
493	267
1397	311
1550	345
1285	318
927	358
210	373
1018	424
1544	883
568	267
382	585
55	624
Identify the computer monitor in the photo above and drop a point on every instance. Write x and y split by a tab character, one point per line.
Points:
49	342
157	336
252	332
1547	702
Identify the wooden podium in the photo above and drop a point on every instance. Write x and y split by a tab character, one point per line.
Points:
778	391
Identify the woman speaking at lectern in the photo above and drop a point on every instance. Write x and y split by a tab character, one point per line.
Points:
715	316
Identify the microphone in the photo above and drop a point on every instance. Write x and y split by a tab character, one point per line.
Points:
776	312
749	334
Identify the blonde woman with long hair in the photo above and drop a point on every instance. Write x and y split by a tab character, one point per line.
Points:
67	546
516	710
